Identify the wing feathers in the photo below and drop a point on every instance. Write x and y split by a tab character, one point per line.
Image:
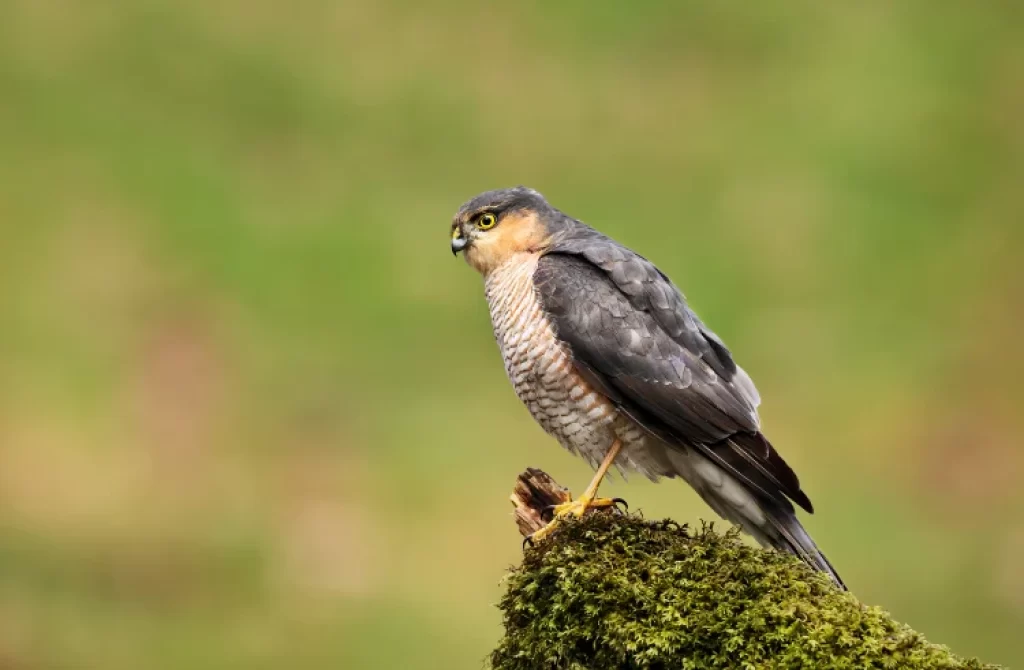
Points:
634	338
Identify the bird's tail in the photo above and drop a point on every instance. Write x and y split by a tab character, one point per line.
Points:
783	531
773	523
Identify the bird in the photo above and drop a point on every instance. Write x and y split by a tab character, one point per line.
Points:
611	361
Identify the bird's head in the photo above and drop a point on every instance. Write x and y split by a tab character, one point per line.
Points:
496	225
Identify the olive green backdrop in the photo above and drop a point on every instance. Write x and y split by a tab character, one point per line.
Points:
251	413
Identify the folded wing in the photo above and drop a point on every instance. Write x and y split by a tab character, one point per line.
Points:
633	336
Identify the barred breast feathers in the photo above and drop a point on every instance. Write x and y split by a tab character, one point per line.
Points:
540	368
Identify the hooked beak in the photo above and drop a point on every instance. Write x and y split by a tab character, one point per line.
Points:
458	242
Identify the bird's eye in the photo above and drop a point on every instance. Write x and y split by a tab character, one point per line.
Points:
486	221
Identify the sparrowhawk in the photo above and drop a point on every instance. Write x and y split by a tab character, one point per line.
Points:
609	359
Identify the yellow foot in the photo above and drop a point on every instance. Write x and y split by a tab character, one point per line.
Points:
574	508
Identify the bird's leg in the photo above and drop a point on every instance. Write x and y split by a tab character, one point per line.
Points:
588	500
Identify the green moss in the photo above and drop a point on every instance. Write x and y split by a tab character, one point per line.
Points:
620	592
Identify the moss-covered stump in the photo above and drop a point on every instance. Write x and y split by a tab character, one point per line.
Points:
620	592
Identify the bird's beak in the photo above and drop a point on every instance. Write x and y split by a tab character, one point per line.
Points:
458	241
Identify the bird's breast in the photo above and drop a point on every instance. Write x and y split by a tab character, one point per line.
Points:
541	370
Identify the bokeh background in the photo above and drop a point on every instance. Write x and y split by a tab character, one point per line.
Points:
251	413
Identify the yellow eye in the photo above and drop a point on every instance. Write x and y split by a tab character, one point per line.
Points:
486	221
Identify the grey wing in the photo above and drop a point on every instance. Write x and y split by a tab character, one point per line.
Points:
649	290
633	336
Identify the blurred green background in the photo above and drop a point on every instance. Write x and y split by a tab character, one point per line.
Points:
251	412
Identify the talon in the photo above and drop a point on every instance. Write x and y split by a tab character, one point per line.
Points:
537	536
555	514
533	538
